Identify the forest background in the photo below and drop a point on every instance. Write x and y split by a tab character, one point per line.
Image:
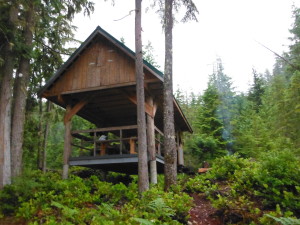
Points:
262	124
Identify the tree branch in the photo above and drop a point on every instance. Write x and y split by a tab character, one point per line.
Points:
51	49
281	57
126	15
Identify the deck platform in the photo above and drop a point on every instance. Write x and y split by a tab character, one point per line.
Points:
125	163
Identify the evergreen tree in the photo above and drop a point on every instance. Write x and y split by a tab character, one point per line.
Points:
223	84
207	142
257	90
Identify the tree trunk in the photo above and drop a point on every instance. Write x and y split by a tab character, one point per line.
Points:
151	149
5	102
143	181
67	145
169	129
46	132
40	134
20	91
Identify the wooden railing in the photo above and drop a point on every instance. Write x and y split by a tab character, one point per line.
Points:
119	141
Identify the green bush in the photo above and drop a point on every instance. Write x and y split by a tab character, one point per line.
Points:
46	199
278	180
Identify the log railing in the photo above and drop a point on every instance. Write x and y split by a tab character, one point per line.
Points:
119	141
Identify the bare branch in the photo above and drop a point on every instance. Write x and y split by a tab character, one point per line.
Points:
281	57
129	14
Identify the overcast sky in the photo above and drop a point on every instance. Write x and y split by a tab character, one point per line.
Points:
226	29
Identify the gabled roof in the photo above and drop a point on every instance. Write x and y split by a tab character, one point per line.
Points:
110	38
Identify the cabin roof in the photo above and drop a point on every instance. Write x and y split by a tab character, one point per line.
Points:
77	52
105	97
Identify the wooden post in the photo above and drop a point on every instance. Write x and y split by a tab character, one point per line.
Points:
67	146
179	149
132	146
102	149
151	146
95	144
121	143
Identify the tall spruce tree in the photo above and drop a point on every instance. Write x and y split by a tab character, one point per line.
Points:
223	84
143	180
21	28
207	142
170	169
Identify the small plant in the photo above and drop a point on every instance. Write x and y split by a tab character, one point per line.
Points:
285	220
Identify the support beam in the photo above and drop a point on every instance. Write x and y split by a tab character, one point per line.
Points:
67	145
68	116
151	145
148	108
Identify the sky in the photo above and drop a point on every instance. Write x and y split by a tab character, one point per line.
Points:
227	29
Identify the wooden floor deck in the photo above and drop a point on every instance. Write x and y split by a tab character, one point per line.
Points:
126	163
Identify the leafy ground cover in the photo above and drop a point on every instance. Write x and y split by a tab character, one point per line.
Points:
46	199
235	191
244	191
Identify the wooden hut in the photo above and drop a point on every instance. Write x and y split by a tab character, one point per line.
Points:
98	84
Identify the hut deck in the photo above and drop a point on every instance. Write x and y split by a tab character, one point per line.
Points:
125	163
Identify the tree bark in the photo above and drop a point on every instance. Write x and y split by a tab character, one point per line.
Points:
170	170
46	132
67	146
40	132
20	96
151	142
143	181
5	101
151	149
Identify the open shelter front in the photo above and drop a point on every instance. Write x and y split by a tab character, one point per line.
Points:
98	84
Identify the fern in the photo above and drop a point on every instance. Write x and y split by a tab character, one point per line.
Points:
159	207
143	221
285	220
68	212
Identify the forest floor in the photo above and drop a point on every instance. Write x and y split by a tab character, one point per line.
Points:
203	213
12	221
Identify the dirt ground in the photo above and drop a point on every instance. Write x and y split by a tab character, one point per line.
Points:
203	213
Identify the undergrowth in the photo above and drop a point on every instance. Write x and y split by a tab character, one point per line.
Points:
47	199
247	191
244	191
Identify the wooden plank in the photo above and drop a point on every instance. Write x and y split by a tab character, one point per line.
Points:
83	71
116	140
74	79
121	143
78	146
111	66
82	137
159	131
121	68
97	88
131	69
130	127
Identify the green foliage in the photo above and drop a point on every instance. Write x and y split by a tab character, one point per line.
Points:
48	199
285	220
246	187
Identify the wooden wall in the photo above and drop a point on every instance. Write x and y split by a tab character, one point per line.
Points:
99	65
